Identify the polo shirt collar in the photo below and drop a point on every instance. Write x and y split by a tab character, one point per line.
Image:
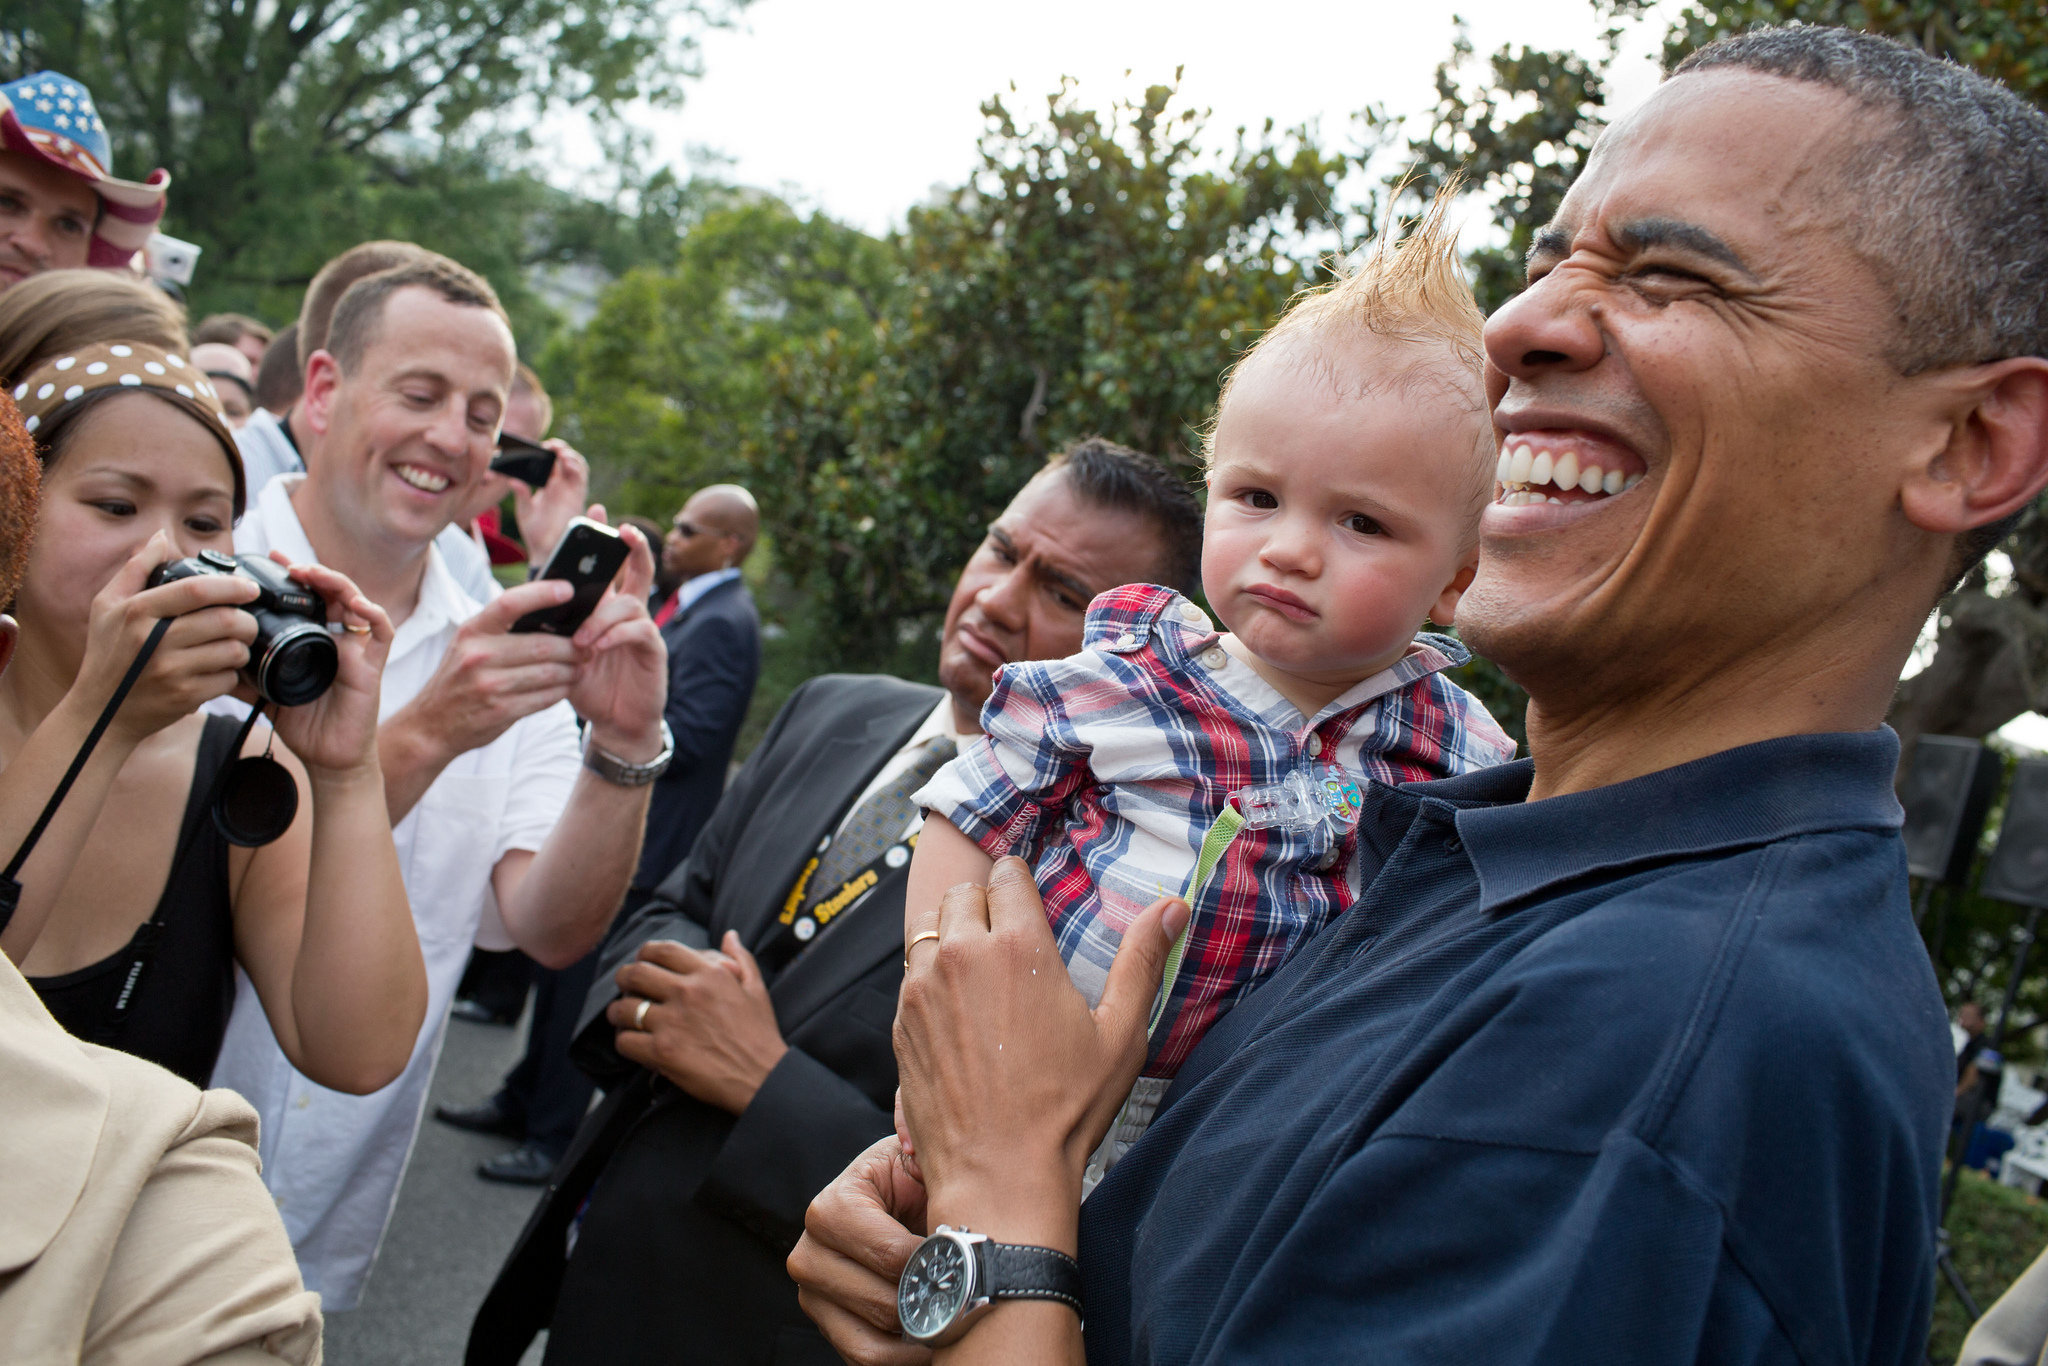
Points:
442	601
1752	795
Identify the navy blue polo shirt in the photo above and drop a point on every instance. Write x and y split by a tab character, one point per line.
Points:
1656	1073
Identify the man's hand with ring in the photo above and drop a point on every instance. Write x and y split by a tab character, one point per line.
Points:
701	1018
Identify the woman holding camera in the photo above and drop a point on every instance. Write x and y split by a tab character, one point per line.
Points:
134	909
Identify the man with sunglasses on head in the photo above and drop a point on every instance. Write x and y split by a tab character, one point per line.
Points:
714	656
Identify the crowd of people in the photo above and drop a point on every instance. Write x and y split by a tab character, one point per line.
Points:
1248	1000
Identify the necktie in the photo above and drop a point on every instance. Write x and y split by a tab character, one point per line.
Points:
872	834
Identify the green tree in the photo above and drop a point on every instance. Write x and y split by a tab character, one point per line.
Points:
666	384
1096	276
295	129
1518	128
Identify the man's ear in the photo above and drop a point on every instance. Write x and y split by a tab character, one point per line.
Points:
10	632
316	403
1996	458
1444	610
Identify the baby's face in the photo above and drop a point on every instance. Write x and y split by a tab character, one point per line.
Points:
1340	517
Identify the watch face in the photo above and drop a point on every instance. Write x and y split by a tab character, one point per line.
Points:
934	1287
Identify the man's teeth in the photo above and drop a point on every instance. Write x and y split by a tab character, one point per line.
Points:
1522	471
424	480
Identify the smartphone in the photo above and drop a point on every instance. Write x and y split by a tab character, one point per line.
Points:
588	557
525	461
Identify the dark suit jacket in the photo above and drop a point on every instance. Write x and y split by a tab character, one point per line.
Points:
714	660
679	1256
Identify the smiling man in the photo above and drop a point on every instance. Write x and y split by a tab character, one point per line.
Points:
759	983
488	797
1630	1052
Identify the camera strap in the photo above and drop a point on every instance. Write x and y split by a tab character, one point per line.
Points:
252	800
141	949
10	885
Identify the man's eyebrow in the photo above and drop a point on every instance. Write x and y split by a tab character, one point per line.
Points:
1548	241
1062	579
1644	233
1045	572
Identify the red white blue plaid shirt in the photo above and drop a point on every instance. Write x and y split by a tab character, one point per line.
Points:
1107	768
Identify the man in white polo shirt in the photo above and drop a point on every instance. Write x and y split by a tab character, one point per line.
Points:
494	798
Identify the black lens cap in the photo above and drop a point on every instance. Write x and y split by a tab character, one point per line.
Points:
254	801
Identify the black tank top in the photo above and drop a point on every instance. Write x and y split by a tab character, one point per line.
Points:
178	1009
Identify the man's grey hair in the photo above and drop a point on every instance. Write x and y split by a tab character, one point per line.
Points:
1952	196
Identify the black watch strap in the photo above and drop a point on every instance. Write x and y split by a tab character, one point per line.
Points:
1017	1271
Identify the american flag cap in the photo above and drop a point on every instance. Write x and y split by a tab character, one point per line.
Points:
53	118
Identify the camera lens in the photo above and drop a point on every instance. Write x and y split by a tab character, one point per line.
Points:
294	665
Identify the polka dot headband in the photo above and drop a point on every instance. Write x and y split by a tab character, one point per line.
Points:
52	387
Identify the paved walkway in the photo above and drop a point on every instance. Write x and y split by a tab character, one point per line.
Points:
451	1231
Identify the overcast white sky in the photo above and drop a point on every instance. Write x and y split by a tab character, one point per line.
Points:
861	106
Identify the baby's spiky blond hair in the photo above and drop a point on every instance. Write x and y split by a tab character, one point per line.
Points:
1409	290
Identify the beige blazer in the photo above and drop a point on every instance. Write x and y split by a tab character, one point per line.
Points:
2014	1331
134	1227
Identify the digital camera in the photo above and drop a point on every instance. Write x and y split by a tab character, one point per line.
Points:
293	658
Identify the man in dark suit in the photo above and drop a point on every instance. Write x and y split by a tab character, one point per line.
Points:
748	1055
713	636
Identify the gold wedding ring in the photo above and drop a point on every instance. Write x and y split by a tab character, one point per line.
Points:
355	630
928	934
640	1013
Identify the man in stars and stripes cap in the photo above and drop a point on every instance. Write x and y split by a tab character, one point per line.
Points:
60	204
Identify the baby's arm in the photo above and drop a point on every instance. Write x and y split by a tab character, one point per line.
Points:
944	859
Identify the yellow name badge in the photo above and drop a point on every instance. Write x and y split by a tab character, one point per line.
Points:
796	893
844	897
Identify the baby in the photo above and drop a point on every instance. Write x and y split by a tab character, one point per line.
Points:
1351	456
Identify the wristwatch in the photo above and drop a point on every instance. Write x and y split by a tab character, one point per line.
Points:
613	769
955	1275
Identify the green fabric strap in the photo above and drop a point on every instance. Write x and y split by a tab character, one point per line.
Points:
1211	853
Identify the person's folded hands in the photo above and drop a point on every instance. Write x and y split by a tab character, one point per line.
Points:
701	1018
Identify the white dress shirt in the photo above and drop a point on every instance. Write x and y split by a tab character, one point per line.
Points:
940	722
333	1161
267	452
697	585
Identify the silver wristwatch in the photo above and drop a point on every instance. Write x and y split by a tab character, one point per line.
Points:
613	769
955	1275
